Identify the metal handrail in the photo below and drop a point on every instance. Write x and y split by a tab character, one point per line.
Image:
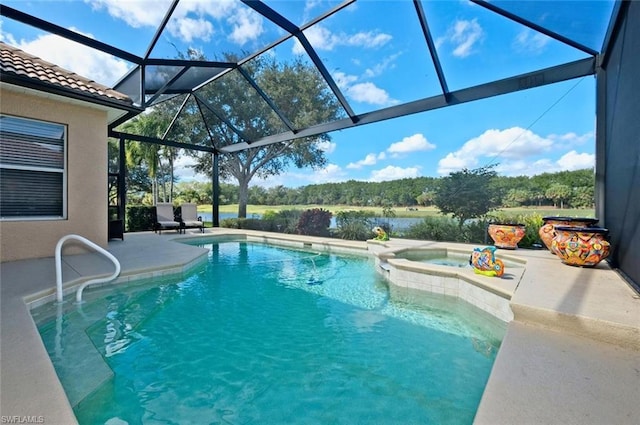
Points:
98	248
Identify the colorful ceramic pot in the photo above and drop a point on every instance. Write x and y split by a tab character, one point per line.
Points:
506	235
547	231
581	246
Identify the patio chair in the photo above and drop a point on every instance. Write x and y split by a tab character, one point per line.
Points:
190	218
165	219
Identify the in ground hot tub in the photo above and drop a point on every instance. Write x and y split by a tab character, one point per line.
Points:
445	270
447	257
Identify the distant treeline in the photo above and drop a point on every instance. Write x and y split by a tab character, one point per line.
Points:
565	189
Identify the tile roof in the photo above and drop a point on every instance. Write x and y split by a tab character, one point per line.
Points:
16	62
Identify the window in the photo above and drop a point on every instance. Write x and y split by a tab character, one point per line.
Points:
32	169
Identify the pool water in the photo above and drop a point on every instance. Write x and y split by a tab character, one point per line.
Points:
268	335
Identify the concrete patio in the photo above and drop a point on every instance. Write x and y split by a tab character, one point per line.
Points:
570	356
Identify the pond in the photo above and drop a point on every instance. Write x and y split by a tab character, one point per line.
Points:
397	223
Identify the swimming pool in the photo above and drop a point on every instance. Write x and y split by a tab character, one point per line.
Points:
263	334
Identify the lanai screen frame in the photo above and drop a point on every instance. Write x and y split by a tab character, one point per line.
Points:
538	78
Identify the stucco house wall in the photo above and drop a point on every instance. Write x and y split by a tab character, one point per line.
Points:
86	152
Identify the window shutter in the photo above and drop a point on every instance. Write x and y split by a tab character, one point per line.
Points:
32	161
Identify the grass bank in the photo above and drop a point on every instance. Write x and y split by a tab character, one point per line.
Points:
401	211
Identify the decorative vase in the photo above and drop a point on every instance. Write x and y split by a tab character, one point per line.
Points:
506	235
547	231
581	246
484	261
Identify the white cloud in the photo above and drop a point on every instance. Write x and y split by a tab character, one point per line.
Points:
368	39
135	13
370	159
415	143
526	168
515	150
369	93
86	62
513	144
321	38
219	9
326	146
378	69
576	161
463	36
359	91
570	161
246	26
191	20
451	163
530	41
6	37
362	92
188	29
394	173
330	174
571	139
309	5
184	172
344	81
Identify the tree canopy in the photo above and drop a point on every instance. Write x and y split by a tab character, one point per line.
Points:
297	90
467	194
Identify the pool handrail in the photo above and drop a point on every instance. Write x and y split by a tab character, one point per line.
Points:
98	248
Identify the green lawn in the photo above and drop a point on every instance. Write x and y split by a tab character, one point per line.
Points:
400	212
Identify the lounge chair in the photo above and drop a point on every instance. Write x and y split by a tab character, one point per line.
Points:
190	218
165	219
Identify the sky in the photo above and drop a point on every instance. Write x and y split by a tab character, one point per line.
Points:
376	53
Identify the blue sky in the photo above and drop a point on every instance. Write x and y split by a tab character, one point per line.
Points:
376	53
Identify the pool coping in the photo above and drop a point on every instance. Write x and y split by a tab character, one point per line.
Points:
576	312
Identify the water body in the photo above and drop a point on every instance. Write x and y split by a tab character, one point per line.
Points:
398	223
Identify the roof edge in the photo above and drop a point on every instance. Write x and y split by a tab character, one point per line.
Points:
35	84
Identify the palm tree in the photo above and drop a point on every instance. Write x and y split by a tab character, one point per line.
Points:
150	125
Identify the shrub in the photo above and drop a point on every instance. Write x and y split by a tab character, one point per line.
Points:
255	224
435	229
229	223
269	215
140	218
354	225
286	221
314	222
475	231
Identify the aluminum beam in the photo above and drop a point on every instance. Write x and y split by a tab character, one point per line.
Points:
155	141
291	28
47	26
432	46
267	99
161	28
534	26
529	80
221	118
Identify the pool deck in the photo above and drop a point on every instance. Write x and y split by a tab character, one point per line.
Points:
570	356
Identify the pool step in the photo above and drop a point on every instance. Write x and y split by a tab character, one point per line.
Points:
78	362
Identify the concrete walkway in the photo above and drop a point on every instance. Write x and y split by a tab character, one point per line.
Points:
571	354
